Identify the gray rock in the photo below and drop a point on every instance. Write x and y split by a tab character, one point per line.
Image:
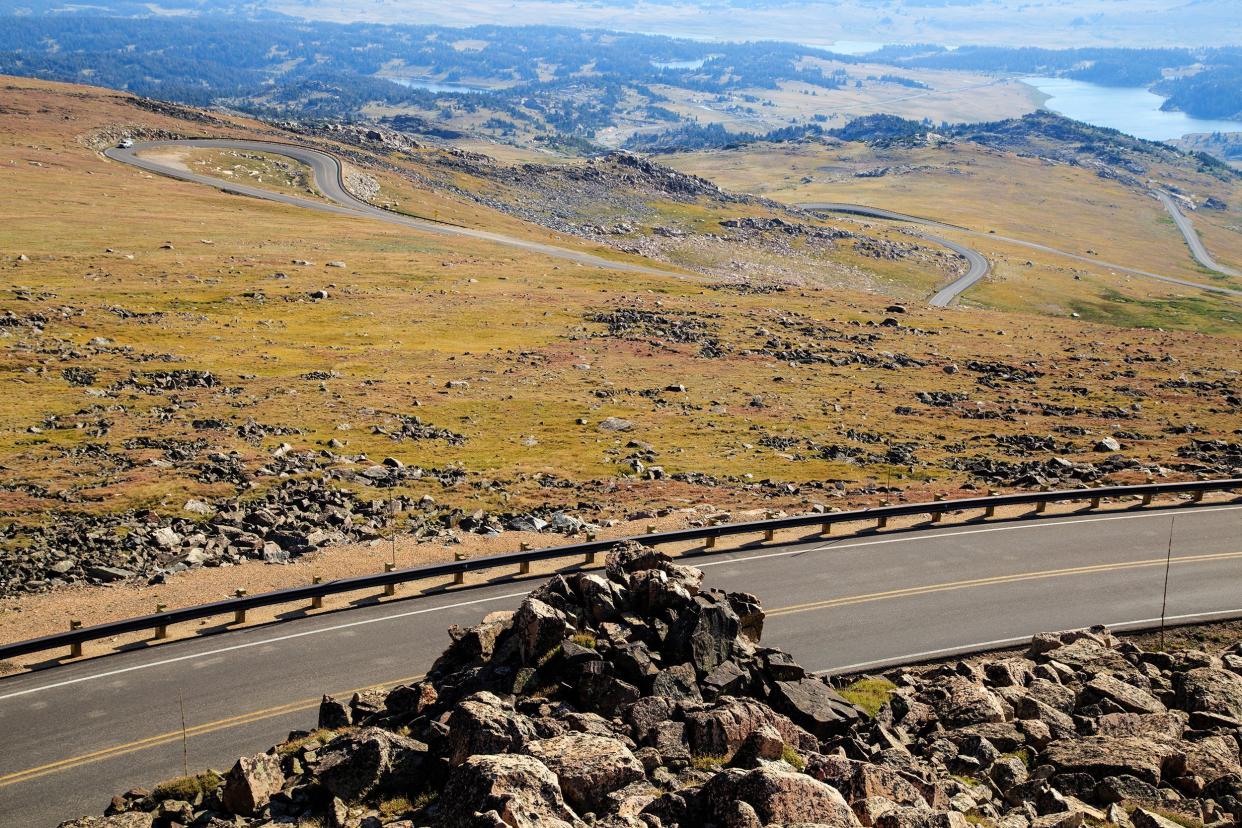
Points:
522	791
251	783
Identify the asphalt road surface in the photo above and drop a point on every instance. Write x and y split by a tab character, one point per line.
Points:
875	212
1192	238
328	178
76	734
978	266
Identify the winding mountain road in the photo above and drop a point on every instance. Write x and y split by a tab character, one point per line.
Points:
77	734
1197	249
959	285
977	265
329	178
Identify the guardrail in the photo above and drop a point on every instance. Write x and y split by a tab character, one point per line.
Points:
160	621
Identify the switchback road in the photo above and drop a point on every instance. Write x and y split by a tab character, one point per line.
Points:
977	265
1192	238
959	285
76	734
329	178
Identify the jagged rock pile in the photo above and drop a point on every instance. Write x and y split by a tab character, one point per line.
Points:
634	698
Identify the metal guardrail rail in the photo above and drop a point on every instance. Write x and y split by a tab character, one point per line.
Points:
160	621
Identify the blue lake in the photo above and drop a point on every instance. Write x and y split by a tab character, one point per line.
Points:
1133	111
436	86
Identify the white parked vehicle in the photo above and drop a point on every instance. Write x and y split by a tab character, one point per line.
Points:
126	143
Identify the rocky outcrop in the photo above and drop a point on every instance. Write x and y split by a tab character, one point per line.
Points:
634	697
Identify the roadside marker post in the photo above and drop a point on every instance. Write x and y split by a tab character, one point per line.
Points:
161	632
316	600
390	589
239	615
75	649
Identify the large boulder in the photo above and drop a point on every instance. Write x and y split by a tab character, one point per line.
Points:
863	780
522	791
721	730
484	723
250	783
540	629
814	705
1209	690
355	765
959	702
588	767
1104	756
777	797
1126	696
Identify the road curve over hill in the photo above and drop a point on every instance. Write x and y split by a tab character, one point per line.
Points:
875	212
76	734
1192	238
329	178
977	268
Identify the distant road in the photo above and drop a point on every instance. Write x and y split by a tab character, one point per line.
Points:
78	733
1192	238
978	265
875	212
329	178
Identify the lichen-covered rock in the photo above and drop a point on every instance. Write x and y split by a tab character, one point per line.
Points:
522	791
1210	690
251	783
777	797
359	763
587	767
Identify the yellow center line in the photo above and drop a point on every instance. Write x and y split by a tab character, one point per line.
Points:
175	735
306	704
997	579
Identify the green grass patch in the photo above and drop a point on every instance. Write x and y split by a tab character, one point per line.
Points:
187	788
792	758
584	639
707	762
869	693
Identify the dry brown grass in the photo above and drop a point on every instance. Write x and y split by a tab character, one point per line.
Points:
411	312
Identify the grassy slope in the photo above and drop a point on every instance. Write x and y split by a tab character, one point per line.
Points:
1066	207
411	312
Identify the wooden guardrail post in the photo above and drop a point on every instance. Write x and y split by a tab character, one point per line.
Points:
459	577
769	534
589	558
524	566
1042	505
161	630
882	521
936	515
1147	499
825	528
316	600
1095	502
991	510
239	614
1198	497
390	589
75	649
709	542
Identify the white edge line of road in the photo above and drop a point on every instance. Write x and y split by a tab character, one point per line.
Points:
397	616
249	644
1001	643
948	534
